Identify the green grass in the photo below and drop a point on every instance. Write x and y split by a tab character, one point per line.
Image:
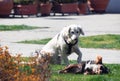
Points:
16	27
114	75
108	41
41	41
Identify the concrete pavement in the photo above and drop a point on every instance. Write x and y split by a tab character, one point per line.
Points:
109	56
91	24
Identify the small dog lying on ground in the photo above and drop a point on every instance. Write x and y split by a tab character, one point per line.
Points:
91	68
88	67
74	68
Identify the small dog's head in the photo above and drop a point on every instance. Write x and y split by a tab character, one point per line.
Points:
72	33
93	68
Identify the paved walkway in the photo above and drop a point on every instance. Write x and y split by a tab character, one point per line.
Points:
91	24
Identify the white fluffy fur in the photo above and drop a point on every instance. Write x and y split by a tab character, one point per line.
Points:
57	45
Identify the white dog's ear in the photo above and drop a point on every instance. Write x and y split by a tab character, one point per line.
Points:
81	31
66	31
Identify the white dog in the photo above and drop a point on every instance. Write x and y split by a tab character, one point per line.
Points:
64	43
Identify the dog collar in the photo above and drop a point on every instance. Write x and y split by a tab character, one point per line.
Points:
70	45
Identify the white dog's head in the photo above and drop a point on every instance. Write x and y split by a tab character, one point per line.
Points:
71	33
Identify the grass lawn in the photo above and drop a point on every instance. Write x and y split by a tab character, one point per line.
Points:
107	41
16	27
114	75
